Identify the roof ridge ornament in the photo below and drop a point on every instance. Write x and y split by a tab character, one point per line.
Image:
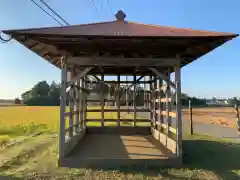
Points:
120	15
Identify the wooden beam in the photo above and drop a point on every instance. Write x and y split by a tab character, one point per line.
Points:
165	113
82	74
178	110
79	87
62	106
121	120
164	100
138	81
121	110
171	129
98	79
163	77
121	61
122	82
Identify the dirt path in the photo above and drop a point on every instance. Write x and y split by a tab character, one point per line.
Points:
205	128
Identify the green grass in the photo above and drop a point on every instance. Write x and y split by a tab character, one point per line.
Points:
4	139
205	157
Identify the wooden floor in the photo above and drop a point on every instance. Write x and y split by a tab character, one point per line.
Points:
114	149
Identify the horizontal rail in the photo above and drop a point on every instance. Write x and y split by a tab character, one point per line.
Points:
83	89
164	113
164	100
98	100
116	82
163	125
116	120
70	113
121	110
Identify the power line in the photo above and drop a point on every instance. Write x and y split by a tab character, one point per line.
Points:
53	11
47	12
108	3
103	9
94	6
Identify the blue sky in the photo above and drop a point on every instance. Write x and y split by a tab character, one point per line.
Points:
215	74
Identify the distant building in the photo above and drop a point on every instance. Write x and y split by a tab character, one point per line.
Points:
215	101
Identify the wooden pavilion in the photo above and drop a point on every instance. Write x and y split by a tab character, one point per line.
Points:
120	48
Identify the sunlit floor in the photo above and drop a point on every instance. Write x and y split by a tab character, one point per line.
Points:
113	146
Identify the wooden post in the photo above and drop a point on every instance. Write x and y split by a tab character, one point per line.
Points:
149	95
77	106
102	100
62	106
127	95
84	104
81	104
160	103
178	109
134	101
236	106
154	101
144	93
168	104
118	101
190	116
71	109
151	98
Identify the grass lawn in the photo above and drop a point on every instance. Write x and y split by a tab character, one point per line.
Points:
205	157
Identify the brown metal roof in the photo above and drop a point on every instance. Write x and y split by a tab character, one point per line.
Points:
121	28
120	38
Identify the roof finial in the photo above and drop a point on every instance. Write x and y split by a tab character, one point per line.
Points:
120	15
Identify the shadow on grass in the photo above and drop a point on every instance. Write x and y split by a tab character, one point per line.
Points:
214	158
220	156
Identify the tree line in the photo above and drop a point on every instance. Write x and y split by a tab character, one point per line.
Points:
44	94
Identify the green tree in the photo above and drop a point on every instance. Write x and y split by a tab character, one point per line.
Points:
41	89
17	101
54	93
26	96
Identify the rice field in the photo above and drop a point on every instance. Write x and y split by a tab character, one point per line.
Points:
16	121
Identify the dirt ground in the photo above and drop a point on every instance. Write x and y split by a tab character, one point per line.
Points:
223	116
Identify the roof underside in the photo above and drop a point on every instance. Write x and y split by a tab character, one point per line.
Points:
122	41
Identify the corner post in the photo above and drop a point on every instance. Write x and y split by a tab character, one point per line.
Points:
62	106
178	109
134	100
77	107
118	101
102	99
